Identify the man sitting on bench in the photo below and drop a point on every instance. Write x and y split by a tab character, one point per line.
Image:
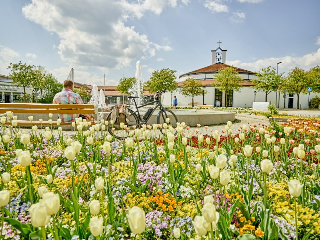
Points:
67	96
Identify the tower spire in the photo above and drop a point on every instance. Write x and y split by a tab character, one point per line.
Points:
219	43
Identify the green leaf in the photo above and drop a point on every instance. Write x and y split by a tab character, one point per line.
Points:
231	212
223	228
22	227
35	235
306	236
242	208
246	237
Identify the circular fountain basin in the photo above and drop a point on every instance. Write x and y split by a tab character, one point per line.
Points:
204	117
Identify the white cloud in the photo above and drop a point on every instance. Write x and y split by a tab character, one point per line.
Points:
31	55
95	34
185	2
250	1
7	55
318	41
150	70
160	59
288	62
216	6
238	17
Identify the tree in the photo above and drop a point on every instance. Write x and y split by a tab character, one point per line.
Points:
227	80
162	80
297	82
314	74
191	88
126	84
51	88
83	92
22	75
267	81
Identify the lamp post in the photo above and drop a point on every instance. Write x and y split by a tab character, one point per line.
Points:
277	86
255	94
203	89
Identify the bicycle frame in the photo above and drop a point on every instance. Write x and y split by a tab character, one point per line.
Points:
143	105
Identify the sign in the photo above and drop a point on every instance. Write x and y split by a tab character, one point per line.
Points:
309	89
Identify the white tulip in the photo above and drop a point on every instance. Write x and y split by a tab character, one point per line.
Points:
58	122
282	141
70	153
30	118
77	146
236	140
265	153
172	158
94	207
9	114
258	149
200	138
42	190
208	140
176	232
5	177
4	197
225	177
247	150
137	220
170	137
221	161
48	135
167	120
106	147
14	123
52	202
49	179
233	160
317	148
208	199
170	145
301	154
216	135
90	140
261	131
96	127
295	188
69	141
209	213
109	138
266	166
5	138
99	183
198	167
34	128
199	225
40	120
18	151
295	151
25	139
146	134
137	133
50	115
273	139
103	128
242	136
3	120
301	147
96	226
129	142
184	141
213	171
24	158
276	148
60	129
39	215
50	121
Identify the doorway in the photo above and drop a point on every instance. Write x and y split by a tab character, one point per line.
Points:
7	98
290	101
218	98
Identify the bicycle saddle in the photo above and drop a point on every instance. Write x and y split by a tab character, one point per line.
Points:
133	97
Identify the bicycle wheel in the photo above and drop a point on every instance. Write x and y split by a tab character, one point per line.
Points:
115	120
163	115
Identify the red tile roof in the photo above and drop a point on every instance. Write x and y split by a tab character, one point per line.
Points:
215	68
209	83
1	75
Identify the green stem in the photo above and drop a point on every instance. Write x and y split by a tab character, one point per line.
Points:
2	220
44	235
56	235
29	184
212	235
265	197
295	217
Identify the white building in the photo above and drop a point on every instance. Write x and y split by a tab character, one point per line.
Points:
8	92
243	98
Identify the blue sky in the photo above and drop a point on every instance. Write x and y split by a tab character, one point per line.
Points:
108	36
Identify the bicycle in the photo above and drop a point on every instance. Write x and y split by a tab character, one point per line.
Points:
118	118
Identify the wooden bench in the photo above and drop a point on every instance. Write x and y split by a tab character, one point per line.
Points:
29	109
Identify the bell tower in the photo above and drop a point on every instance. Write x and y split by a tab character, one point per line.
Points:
218	55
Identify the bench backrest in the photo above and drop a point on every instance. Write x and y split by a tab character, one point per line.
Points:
48	108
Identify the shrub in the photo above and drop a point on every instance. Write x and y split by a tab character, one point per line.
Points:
273	110
315	102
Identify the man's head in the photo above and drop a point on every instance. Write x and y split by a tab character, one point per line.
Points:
68	84
175	96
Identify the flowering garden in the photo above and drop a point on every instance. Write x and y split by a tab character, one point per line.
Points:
261	182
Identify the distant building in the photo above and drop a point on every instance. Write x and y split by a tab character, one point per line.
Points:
10	93
214	96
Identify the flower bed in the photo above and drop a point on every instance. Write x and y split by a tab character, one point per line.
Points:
257	183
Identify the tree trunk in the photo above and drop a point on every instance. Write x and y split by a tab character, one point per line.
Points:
192	101
24	94
225	99
266	99
298	100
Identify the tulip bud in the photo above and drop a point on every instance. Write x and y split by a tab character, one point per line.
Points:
172	158
14	123
247	150
221	161
170	137
4	197
266	166
60	129
77	146
236	140
295	151
107	147
48	135
50	121
50	115
42	190
301	154
198	167
40	120
9	114
295	188
276	148
184	141
94	207
30	118
200	138
233	160
242	136
170	145
49	179
90	140
282	141
208	140
99	183
258	149
58	122
129	142
317	148
198	224
34	128
137	220
265	153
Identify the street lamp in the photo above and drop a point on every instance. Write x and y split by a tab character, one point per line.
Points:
277	88
255	94
203	89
